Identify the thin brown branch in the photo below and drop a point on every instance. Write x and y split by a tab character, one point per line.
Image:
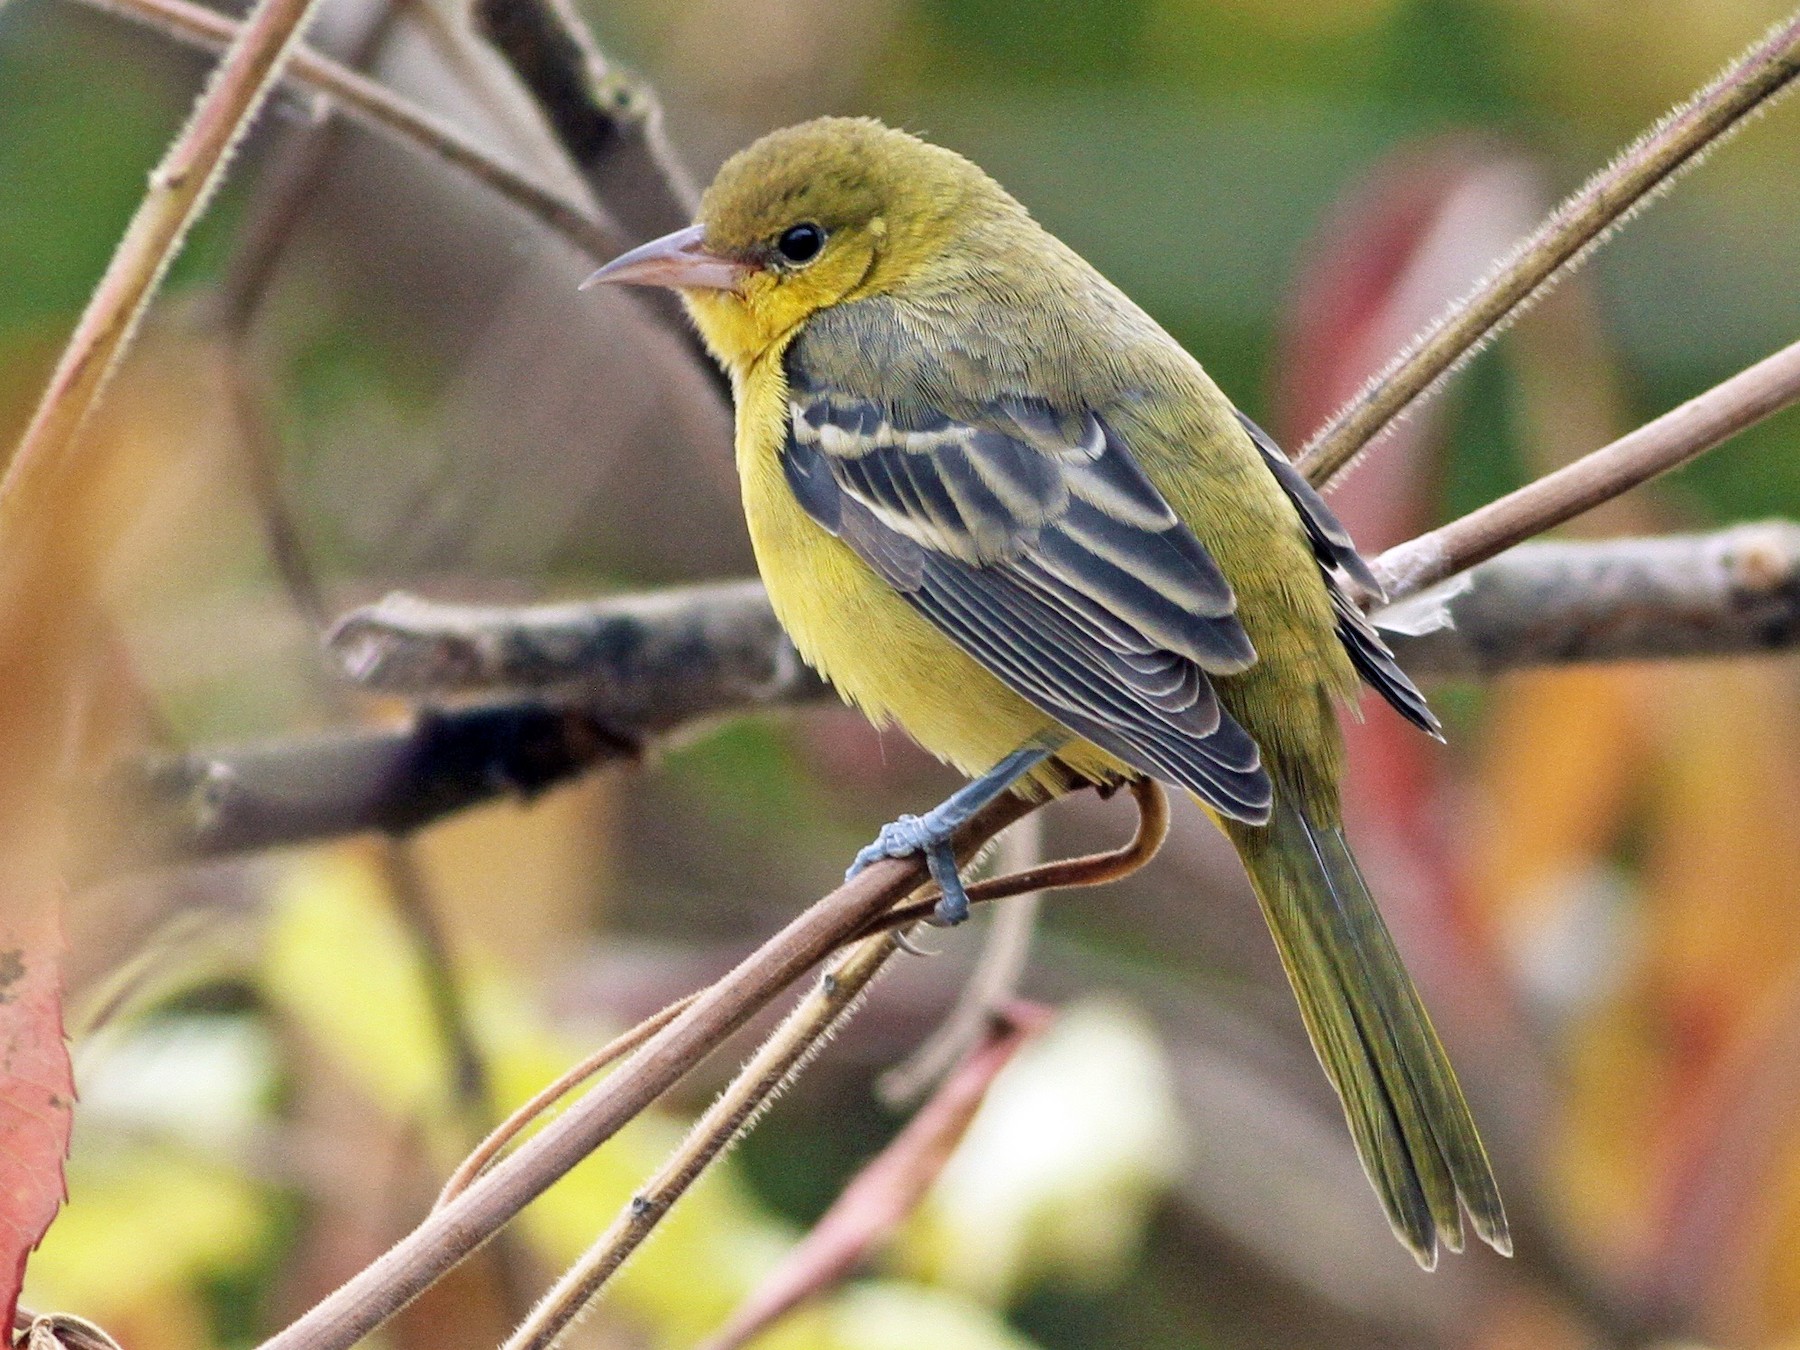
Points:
551	1093
780	1059
1579	225
1671	440
883	1194
609	123
379	109
180	187
991	984
610	126
449	1234
783	1056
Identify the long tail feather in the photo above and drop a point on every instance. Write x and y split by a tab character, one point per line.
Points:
1411	1125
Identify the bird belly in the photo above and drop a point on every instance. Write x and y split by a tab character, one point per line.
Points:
879	652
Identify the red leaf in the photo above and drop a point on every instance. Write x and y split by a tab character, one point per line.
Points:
36	1093
879	1198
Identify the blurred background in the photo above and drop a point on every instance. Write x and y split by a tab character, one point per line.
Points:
378	377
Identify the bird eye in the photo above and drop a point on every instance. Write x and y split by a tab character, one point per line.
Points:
801	243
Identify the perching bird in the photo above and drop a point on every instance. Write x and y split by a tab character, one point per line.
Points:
993	501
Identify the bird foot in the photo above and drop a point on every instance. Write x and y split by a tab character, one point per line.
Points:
929	834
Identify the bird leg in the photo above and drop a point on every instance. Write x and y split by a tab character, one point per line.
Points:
932	832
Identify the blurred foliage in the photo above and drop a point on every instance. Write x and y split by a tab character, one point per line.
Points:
271	1103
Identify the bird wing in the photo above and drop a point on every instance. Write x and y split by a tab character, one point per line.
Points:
1338	559
1033	540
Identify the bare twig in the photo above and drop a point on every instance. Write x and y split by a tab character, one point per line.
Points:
372	105
775	1064
608	123
785	1053
1727	593
654	660
992	983
180	187
881	1196
610	126
1580	224
451	1233
546	1097
1671	440
202	805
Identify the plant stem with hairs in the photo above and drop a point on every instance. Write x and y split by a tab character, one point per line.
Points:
181	185
1749	85
449	1234
776	1064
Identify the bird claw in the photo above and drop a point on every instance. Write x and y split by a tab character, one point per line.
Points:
898	839
930	835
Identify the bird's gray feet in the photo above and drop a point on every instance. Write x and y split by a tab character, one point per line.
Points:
929	834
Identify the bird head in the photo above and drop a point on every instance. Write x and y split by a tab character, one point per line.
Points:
832	210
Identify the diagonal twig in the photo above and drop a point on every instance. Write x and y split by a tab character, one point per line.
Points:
610	126
180	188
449	1234
374	106
482	1158
607	122
1579	225
776	1063
787	1051
1677	436
883	1194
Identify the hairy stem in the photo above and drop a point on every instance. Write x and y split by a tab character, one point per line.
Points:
779	1060
180	187
449	1234
1561	243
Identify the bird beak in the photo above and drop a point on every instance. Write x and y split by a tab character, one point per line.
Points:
679	260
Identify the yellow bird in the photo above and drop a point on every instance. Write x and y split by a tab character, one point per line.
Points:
993	501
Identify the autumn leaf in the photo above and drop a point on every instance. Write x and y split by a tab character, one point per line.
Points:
36	1095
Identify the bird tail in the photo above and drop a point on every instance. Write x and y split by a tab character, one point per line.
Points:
1412	1127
